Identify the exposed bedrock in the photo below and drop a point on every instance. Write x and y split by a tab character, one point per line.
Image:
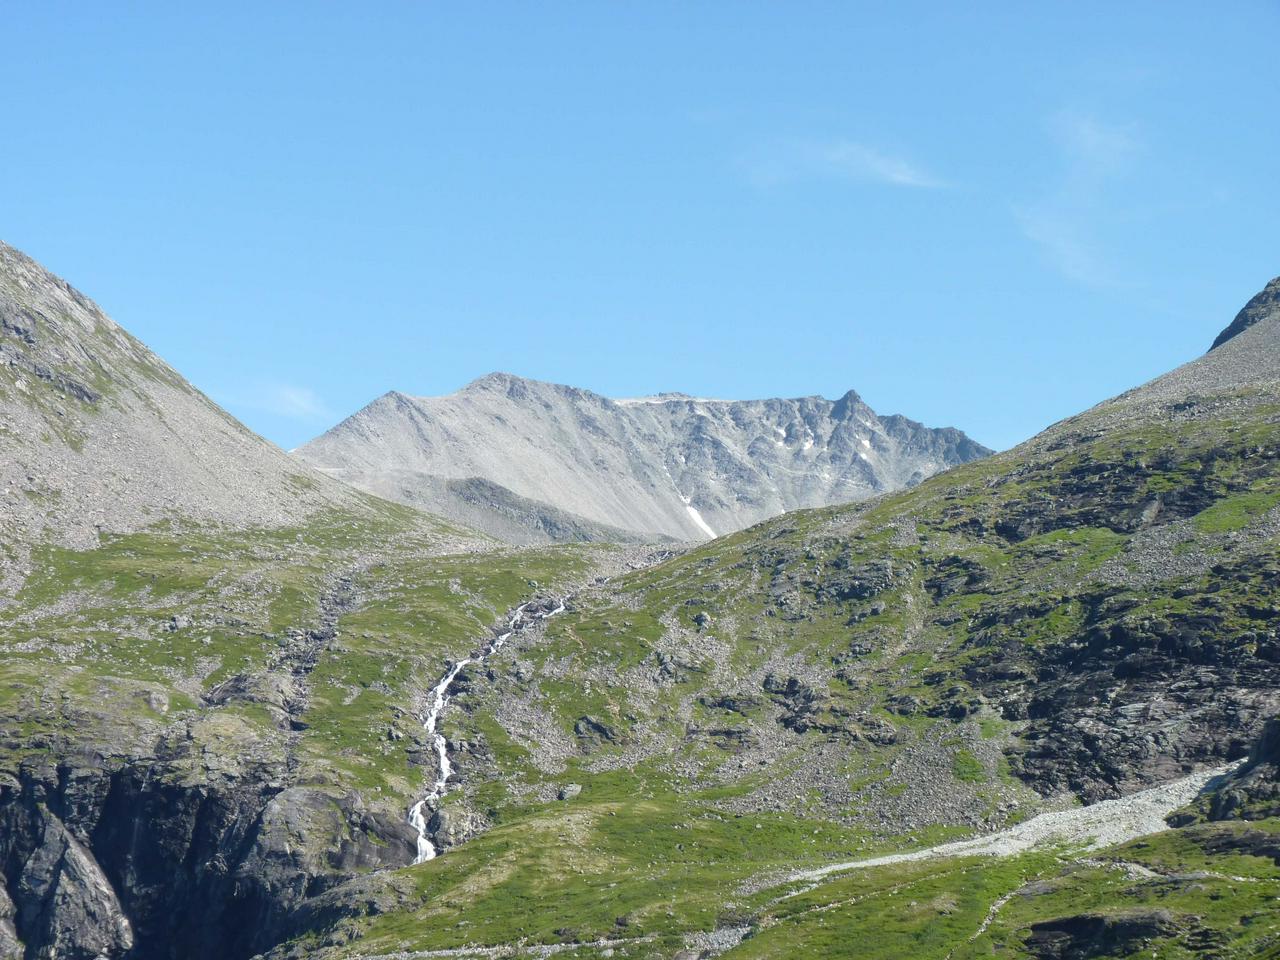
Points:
136	861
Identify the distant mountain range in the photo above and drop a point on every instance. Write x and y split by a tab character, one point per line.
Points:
529	461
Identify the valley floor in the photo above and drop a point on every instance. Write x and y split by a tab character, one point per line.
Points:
1123	877
1093	827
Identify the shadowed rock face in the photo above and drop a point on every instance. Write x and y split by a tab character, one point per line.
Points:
670	465
1264	305
1098	935
134	861
1251	792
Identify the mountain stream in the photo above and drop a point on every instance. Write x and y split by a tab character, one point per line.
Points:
521	619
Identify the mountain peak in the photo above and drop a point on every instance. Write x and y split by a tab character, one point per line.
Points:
846	405
668	465
127	441
498	379
1265	304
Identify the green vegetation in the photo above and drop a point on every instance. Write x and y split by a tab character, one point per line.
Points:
982	907
921	608
833	683
141	632
967	767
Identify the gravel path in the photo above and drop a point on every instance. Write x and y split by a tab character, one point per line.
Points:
508	950
1100	825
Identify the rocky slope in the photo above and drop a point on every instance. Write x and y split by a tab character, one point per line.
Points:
99	435
211	734
667	466
172	775
1089	615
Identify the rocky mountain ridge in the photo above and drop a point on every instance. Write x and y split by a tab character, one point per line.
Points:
1264	305
672	466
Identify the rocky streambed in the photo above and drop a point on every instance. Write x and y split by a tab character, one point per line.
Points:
523	617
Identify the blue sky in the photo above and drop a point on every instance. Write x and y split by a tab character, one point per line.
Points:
982	215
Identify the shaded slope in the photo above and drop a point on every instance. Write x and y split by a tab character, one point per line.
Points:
1263	306
488	507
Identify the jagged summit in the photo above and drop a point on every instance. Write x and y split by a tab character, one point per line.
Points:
669	465
501	380
1264	305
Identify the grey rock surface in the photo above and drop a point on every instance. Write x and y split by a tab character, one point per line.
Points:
670	465
493	509
1246	355
451	826
11	947
99	435
1264	305
69	907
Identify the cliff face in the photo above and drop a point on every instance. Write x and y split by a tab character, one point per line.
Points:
112	859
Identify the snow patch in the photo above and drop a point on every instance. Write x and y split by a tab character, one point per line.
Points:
696	517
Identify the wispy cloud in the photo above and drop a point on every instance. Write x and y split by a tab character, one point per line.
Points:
836	159
302	403
1067	244
279	399
859	161
1069	220
1094	147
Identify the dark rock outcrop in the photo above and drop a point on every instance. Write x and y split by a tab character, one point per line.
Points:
592	733
1265	304
1097	935
66	905
1137	697
139	861
1251	792
454	825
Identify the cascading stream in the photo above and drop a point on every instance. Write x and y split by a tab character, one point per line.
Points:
520	619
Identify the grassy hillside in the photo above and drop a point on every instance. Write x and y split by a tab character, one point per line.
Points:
228	721
211	728
1089	614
